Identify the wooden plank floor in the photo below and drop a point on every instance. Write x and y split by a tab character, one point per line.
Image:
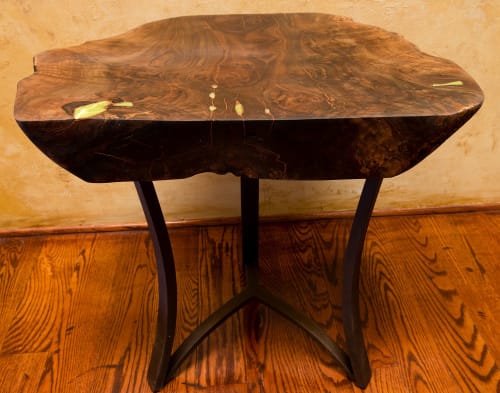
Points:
78	310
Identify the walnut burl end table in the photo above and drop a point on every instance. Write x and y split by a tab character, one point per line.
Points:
284	96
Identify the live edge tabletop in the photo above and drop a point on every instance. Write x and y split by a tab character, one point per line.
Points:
284	96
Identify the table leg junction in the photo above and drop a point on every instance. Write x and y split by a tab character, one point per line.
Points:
164	363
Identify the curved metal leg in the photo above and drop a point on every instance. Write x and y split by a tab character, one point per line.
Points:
163	363
159	364
350	289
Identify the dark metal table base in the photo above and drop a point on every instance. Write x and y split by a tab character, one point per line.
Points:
164	363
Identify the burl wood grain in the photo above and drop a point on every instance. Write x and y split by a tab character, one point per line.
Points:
287	96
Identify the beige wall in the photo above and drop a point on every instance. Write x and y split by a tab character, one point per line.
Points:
35	192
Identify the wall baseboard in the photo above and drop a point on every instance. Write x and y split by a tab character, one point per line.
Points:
141	226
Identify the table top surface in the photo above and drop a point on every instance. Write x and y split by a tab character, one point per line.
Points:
262	76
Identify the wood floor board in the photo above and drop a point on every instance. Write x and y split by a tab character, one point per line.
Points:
209	274
475	268
305	269
95	347
466	354
79	310
20	373
397	317
41	312
17	256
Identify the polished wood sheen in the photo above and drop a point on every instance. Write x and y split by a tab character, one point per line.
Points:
77	310
285	96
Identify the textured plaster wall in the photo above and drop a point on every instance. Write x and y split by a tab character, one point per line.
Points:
35	192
